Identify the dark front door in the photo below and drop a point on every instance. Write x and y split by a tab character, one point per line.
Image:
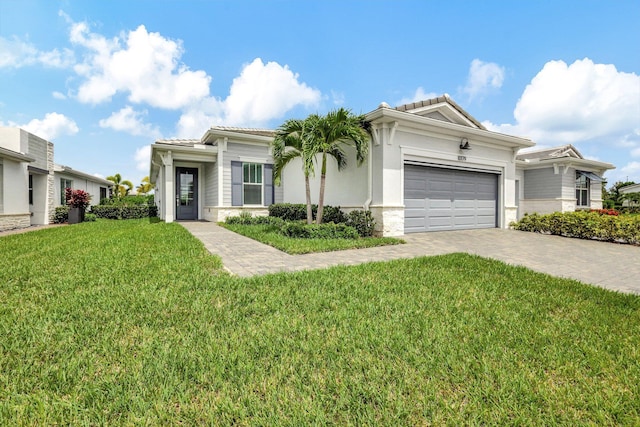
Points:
186	193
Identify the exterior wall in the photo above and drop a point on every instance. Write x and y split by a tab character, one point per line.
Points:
14	212
345	188
210	184
78	183
242	152
542	184
218	214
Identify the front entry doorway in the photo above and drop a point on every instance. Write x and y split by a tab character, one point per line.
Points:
186	193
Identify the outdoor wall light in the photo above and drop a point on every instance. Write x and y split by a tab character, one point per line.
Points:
464	144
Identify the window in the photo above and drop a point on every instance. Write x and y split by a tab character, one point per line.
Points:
103	193
582	190
64	184
251	184
30	189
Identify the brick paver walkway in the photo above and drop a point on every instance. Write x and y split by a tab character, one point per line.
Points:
608	265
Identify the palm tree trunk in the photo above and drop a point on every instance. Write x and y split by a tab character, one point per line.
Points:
323	176
308	195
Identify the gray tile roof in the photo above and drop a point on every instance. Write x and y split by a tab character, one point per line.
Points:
439	100
551	153
248	131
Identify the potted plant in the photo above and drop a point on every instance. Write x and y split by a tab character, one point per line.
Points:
77	200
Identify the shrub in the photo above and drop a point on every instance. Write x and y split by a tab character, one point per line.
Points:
291	211
77	198
61	215
584	225
245	219
331	214
606	211
362	221
124	212
318	231
129	200
89	217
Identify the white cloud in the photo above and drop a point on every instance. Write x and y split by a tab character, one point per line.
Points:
263	92
483	77
59	95
130	121
419	95
52	126
142	64
143	158
16	53
338	98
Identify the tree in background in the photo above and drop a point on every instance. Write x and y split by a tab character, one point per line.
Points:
144	187
613	197
121	187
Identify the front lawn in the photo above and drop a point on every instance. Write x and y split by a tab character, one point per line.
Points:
269	235
132	322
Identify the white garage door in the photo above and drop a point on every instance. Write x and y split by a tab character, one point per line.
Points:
448	199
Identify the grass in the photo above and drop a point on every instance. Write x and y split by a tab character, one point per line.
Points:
131	322
269	235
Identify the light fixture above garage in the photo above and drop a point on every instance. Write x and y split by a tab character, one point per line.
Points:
464	144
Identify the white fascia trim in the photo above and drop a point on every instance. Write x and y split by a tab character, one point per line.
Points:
450	159
409	120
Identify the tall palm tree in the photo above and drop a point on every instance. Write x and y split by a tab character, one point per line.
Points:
328	136
290	142
120	187
145	186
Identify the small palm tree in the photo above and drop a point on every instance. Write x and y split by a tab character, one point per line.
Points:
290	142
145	186
120	187
328	135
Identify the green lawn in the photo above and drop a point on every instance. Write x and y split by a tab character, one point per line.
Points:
269	235
132	322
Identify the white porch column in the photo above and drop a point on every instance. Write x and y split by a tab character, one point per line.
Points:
169	188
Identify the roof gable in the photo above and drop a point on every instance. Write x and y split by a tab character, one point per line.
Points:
441	108
552	153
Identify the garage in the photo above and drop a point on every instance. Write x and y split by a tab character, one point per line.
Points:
437	198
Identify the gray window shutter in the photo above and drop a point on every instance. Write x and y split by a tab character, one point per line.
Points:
268	185
236	183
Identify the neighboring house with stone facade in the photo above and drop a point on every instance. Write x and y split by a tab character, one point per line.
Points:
431	166
30	181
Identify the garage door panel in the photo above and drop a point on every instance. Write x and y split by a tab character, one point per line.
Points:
446	199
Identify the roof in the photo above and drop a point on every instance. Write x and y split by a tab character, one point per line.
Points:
177	141
634	188
439	100
14	155
567	154
248	131
70	171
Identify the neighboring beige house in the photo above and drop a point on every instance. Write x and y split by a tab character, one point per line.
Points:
30	182
559	179
431	166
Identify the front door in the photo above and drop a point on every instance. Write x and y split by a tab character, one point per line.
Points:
186	193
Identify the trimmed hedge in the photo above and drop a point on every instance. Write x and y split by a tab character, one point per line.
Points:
319	231
255	220
61	215
124	212
584	225
361	220
147	199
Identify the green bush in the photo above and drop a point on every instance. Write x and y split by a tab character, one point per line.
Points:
61	215
362	221
89	217
124	212
291	211
332	214
243	219
129	200
584	225
329	230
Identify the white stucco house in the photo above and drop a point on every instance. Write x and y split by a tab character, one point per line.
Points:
431	166
630	189
31	184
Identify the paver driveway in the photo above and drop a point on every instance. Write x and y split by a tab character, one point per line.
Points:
608	265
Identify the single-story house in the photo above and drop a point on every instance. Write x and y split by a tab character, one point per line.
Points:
559	179
629	189
31	184
431	166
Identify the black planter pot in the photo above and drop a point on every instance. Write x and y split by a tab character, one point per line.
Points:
76	215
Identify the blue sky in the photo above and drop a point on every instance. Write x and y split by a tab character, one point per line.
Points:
104	79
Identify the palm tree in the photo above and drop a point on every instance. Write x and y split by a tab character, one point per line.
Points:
290	142
328	135
145	186
120	187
